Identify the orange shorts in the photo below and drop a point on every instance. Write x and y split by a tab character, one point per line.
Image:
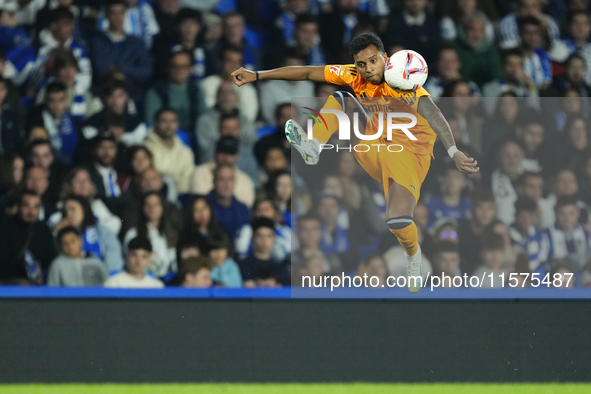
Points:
401	166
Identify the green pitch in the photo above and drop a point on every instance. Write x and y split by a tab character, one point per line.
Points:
354	388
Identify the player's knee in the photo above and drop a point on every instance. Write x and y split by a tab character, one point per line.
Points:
400	222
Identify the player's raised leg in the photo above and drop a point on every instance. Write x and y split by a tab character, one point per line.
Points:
400	207
310	148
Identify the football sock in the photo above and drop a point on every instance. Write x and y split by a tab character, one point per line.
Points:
407	235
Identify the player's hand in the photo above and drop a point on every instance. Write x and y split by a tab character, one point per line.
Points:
243	76
465	164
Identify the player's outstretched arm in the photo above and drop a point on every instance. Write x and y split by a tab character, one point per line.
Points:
428	110
243	76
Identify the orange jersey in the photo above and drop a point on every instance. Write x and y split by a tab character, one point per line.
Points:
390	101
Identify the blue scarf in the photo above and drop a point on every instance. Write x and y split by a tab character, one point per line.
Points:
90	242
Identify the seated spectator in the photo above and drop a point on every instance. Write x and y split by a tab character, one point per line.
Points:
451	204
584	180
137	11
149	181
226	152
513	80
72	267
11	135
44	15
509	26
230	213
267	276
36	179
573	78
11	176
276	92
577	146
225	270
567	237
562	273
311	271
501	125
26	243
200	223
282	34
531	185
177	91
78	182
577	41
138	257
97	239
171	156
265	208
536	62
459	12
185	37
155	224
231	59
524	234
492	248
374	266
306	44
566	185
279	187
309	234
447	70
12	34
59	123
446	261
511	159
212	124
277	138
118	108
80	101
335	239
102	170
263	237
113	49
530	132
41	154
479	57
483	214
195	272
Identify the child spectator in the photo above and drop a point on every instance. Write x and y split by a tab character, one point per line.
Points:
451	204
267	276
195	272
224	271
263	237
492	250
72	267
567	237
523	232
138	257
446	261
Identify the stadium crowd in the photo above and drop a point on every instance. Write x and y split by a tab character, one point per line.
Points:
130	159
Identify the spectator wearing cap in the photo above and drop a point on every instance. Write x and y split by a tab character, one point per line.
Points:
230	213
178	91
102	169
59	123
26	243
480	59
523	232
185	37
171	156
114	49
226	152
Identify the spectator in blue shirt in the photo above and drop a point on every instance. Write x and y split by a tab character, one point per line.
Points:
230	213
536	62
451	204
113	49
524	233
225	270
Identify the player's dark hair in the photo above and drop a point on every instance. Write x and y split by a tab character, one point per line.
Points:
364	40
526	204
564	201
67	230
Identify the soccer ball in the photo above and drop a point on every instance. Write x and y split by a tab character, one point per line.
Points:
406	70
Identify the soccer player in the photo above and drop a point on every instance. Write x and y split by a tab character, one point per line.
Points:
400	173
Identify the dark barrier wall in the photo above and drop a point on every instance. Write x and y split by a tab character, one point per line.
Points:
101	340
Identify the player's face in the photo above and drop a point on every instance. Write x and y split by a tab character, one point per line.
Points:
371	64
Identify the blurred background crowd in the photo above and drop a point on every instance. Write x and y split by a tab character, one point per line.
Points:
130	159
